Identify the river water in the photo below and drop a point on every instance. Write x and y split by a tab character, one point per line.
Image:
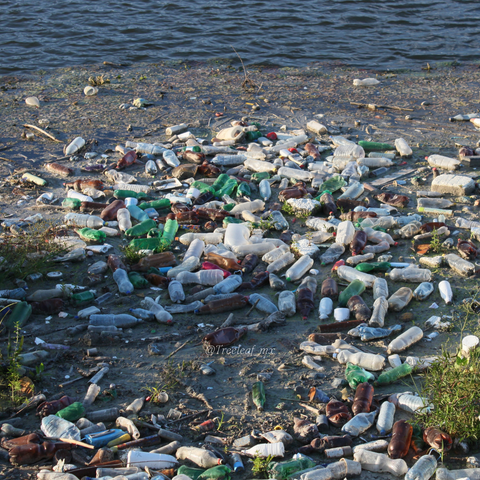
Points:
388	34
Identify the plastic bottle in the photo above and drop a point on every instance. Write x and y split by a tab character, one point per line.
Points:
265	189
82	297
121	279
385	418
380	463
405	340
282	470
18	318
175	291
380	247
345	233
199	456
122	320
234	302
460	265
423	291
437	439
203	277
286	303
380	308
369	361
393	375
325	308
414	275
332	254
358	243
228	285
402	147
350	274
56	427
445	291
80	220
285	260
360	423
298	269
264	450
262	304
16	294
161	315
401	437
423	469
400	299
358	307
357	287
363	398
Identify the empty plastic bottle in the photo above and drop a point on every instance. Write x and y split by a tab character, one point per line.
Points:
360	423
363	398
329	288
278	220
393	375
380	308
175	291
423	469
380	247
282	470
299	268
80	220
325	308
445	291
358	307
356	287
345	233
400	299
423	291
380	463
228	285
262	304
265	190
161	315
405	340
286	303
121	279
460	265
56	427
201	457
265	450
369	361
121	321
414	275
332	254
203	277
350	274
401	437
385	418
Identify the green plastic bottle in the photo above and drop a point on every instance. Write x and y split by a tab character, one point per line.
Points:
228	188
145	244
191	472
137	213
203	187
20	314
122	194
374	146
252	136
73	412
157	204
282	470
141	228
228	207
356	375
244	190
82	297
220	472
91	235
258	395
228	220
137	280
221	180
73	203
155	232
169	232
259	176
394	374
332	185
373	266
357	287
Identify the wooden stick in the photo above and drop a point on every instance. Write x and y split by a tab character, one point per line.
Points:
43	131
253	306
76	442
316	411
179	348
71	381
6	160
187	417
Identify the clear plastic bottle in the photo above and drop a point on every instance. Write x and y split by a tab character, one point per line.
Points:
460	265
380	247
377	236
360	259
151	168
145	148
380	463
445	291
282	262
410	274
345	233
122	320
409	230
81	220
320	224
353	191
175	291
299	268
188	265
386	418
423	469
124	220
351	150
121	279
286	303
170	159
275	254
359	423
279	221
368	361
203	277
259	249
142	313
56	427
332	254
228	285
161	315
424	290
380	288
410	403
403	148
400	299
350	274
15	294
86	312
325	308
255	206
265	189
91	395
199	456
405	340
262	304
380	308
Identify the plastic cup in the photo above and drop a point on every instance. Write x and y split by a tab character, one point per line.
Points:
469	343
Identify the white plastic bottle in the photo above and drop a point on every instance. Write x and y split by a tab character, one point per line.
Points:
124	219
368	361
86	312
446	291
201	457
360	259
81	220
74	146
386	418
264	450
56	427
409	274
79	196
265	189
157	461
145	148
377	236
405	340
121	279
286	303
380	308
175	291
403	148
133	188
299	268
195	249
325	308
410	403
380	463
359	423
365	82
228	285
380	288
236	234
350	274
161	315
345	233
203	277
188	265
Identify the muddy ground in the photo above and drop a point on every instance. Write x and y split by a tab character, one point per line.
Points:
192	94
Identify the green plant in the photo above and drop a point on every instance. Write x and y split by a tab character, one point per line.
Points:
260	466
39	371
14	349
131	255
220	421
435	244
288	209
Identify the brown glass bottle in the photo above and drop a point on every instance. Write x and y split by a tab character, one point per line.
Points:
224	336
296	191
223	262
359	308
358	242
249	263
115	262
337	413
329	288
328	204
158	260
48	307
224	305
110	211
34	452
305	302
437	439
127	160
401	437
363	398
